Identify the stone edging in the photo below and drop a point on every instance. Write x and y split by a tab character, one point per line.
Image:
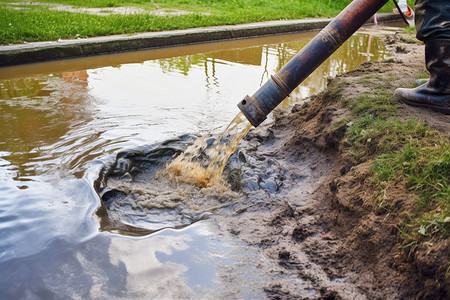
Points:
42	51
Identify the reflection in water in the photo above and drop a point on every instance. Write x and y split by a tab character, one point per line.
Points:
141	261
83	113
268	59
58	127
35	113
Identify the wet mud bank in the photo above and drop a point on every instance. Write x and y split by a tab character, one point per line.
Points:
321	225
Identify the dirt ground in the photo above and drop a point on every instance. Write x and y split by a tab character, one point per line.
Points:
318	224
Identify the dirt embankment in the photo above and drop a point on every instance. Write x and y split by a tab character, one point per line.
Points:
321	225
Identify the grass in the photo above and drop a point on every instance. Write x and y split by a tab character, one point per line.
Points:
425	164
42	24
403	151
102	3
39	23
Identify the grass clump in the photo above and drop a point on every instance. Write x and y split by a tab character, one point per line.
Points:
425	163
367	135
405	152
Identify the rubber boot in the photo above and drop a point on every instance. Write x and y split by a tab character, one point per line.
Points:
435	94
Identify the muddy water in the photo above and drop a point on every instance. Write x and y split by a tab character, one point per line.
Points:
202	163
62	123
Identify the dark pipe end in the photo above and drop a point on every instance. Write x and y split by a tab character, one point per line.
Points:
252	111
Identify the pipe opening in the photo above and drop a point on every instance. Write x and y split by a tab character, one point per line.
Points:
244	102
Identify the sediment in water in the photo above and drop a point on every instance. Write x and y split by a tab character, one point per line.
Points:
203	162
137	197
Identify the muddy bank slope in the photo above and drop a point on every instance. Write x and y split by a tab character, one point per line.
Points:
326	222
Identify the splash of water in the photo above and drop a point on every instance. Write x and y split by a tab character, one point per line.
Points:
202	164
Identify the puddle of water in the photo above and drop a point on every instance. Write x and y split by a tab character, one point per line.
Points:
61	122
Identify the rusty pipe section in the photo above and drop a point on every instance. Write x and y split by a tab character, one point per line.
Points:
327	41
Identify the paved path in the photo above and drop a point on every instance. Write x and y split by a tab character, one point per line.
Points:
42	51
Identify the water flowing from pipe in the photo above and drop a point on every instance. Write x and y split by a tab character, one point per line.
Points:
203	162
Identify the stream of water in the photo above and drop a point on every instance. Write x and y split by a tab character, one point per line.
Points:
62	122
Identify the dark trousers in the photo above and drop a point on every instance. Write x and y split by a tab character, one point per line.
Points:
432	18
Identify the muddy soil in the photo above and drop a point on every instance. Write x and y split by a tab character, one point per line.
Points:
297	199
317	222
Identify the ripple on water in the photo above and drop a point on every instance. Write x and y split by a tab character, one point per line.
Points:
31	218
139	198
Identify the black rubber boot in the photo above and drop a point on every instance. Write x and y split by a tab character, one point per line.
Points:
435	94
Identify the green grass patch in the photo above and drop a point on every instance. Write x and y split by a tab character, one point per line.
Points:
426	165
43	24
411	29
90	3
423	74
403	151
40	23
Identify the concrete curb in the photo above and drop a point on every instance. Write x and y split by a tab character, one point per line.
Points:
42	51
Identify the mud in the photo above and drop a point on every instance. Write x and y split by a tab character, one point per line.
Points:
321	226
293	196
138	198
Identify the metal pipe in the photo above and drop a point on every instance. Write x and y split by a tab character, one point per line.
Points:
327	41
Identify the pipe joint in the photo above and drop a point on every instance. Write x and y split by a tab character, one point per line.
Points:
252	111
266	98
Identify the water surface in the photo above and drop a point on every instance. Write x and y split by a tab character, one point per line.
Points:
61	121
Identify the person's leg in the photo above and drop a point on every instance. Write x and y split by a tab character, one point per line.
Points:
432	19
433	27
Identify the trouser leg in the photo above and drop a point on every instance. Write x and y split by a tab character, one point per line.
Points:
432	18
